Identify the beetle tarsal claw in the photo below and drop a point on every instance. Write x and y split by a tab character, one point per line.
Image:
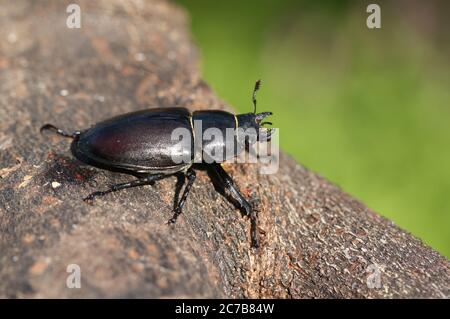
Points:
89	199
176	213
172	221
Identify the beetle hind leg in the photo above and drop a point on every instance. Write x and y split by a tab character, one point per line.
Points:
114	188
190	174
59	131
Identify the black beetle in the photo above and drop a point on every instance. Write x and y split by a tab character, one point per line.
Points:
141	143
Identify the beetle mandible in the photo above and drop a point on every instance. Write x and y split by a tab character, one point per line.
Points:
140	143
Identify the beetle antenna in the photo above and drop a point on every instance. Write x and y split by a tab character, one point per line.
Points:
257	86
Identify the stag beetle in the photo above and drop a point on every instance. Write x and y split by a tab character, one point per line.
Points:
141	143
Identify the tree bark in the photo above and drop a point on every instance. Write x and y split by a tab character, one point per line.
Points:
316	241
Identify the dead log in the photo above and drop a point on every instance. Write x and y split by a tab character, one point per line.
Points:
317	241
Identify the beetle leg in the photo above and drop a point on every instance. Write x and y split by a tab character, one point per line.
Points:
228	183
177	211
138	182
59	131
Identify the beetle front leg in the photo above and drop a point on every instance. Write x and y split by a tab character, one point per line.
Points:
246	206
178	209
139	182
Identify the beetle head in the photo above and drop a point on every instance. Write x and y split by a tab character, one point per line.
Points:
252	124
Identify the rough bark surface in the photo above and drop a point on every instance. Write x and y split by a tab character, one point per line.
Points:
317	241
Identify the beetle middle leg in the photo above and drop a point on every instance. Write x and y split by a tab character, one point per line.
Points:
138	182
190	174
228	183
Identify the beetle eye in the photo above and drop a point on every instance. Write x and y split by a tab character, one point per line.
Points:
259	117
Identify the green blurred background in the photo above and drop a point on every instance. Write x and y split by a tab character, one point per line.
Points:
367	108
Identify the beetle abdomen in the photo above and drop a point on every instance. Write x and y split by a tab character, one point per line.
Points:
139	141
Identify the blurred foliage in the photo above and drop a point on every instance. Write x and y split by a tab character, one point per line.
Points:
368	109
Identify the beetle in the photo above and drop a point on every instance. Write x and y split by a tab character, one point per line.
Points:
141	143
